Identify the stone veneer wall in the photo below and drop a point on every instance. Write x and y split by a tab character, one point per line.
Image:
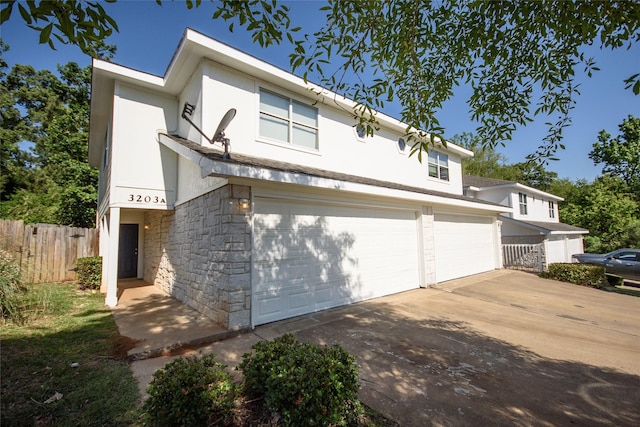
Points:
201	255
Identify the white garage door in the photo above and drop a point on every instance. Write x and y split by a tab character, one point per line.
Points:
464	245
313	256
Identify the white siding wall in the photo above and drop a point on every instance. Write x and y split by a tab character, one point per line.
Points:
340	150
537	208
190	182
144	171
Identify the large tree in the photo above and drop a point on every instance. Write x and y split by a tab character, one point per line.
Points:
606	208
52	182
519	58
620	155
489	163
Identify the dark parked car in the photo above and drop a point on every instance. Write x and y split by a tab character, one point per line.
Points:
622	262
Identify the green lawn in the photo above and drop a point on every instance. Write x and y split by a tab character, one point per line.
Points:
39	385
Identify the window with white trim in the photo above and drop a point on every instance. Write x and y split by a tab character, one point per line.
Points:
285	120
522	198
438	165
552	210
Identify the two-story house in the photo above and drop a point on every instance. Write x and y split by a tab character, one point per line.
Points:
534	218
305	213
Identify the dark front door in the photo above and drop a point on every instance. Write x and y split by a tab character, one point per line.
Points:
128	251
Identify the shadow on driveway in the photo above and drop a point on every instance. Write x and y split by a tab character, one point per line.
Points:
501	349
506	348
445	373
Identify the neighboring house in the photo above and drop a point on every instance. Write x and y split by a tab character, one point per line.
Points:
307	214
534	218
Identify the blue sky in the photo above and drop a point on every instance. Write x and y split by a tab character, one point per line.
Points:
149	35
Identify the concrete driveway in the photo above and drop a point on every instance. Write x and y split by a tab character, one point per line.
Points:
502	348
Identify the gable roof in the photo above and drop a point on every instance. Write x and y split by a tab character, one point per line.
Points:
249	167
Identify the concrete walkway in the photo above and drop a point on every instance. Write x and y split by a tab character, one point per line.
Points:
502	348
160	324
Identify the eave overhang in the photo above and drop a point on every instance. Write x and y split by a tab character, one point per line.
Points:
548	228
256	169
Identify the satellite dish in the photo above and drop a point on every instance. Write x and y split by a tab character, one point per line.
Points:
218	136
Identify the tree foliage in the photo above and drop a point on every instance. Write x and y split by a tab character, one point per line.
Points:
52	182
519	58
607	209
85	24
515	56
620	155
487	162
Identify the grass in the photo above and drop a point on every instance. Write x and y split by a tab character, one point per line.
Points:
40	387
63	326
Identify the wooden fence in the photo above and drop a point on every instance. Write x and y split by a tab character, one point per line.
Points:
523	256
45	252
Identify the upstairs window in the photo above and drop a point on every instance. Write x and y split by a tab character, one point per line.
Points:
552	210
285	120
402	145
438	165
523	203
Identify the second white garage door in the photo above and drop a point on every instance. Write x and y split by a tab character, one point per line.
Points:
312	256
464	245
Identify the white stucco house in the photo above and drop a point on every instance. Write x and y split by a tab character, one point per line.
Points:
306	214
534	218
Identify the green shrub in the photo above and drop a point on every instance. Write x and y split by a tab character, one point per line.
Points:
11	287
306	384
89	272
190	391
581	274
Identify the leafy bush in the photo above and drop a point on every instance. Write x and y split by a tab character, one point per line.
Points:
190	391
11	287
581	274
305	383
89	272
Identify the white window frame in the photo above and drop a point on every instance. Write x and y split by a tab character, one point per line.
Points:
360	132
552	209
522	201
438	165
289	120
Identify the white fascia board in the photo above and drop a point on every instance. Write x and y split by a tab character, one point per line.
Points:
538	192
520	188
125	74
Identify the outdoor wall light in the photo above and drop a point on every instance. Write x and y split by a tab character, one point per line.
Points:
147	226
244	203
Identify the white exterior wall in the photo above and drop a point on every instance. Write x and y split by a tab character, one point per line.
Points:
143	171
340	150
537	208
500	196
510	229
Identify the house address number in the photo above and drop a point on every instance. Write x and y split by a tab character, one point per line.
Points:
142	198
